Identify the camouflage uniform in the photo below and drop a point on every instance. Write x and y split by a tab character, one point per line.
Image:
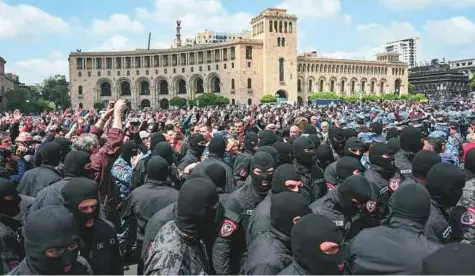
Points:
122	174
464	218
173	253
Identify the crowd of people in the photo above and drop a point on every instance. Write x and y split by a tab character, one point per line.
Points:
382	187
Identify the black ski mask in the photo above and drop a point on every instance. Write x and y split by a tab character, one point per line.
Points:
129	149
411	140
273	152
262	166
285	152
164	150
282	174
347	166
286	209
65	145
51	227
9	198
308	237
197	143
470	161
411	202
74	193
304	151
337	139
325	156
353	194
216	172
423	161
251	141
78	164
382	160
354	147
217	146
197	206
267	138
445	183
156	138
157	168
50	154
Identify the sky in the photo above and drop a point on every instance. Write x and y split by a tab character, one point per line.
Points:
36	36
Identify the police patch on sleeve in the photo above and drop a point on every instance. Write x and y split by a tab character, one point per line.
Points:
394	184
468	217
330	186
243	172
370	206
228	228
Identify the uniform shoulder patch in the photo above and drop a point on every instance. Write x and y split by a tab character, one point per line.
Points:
406	171
228	228
330	186
370	205
243	172
468	217
394	184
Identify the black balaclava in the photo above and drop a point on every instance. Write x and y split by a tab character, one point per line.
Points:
283	173
376	128
51	154
337	139
380	156
354	143
309	129
217	146
423	161
452	259
157	168
307	237
324	155
76	164
347	166
353	187
76	191
411	140
470	161
285	152
315	139
267	138
411	201
272	151
197	207
65	145
50	227
251	141
262	181
9	207
392	133
216	172
304	151
284	207
164	150
445	183
349	132
129	149
197	143
156	138
394	145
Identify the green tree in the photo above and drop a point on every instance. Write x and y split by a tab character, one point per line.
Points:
27	100
268	98
56	89
211	99
324	95
411	89
99	106
177	101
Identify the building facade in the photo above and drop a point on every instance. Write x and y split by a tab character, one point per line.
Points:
464	65
241	69
438	81
8	81
408	48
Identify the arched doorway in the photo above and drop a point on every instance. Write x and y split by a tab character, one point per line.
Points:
215	84
300	100
249	101
199	86
233	102
181	87
125	89
106	89
164	104
145	103
144	88
80	106
397	87
163	87
281	96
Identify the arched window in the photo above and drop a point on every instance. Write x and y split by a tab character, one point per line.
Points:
353	83
332	86
281	69
280	26
249	83
363	86
79	90
299	86
232	83
276	26
310	84
249	101
106	89
290	27
372	87
285	27
283	42
144	88
278	42
342	87
270	26
321	86
125	89
381	87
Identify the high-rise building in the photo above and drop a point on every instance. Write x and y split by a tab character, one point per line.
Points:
408	48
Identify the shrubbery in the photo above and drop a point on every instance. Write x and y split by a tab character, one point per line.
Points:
384	97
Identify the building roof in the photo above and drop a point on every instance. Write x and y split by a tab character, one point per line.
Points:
2	60
402	40
355	61
197	47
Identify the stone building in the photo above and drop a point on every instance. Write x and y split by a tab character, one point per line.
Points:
7	81
241	69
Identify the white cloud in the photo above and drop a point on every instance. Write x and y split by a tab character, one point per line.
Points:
28	21
422	4
312	8
114	24
365	54
115	43
36	70
377	34
142	14
454	31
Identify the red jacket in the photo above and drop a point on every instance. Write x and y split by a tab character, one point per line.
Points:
466	147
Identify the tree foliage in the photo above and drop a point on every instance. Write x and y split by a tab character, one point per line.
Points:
177	101
411	89
351	99
56	89
268	98
211	99
99	106
26	99
324	96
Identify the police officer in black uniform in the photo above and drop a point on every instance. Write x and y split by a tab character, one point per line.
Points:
242	163
411	142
